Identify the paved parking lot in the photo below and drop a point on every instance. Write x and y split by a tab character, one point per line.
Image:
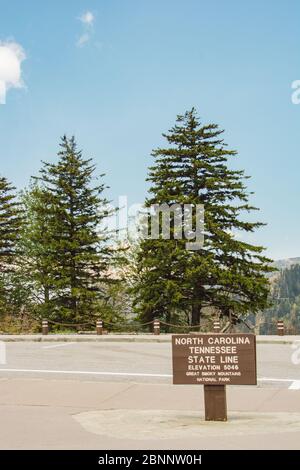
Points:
142	362
120	395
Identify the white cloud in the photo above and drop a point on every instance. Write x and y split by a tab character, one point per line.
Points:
84	38
87	18
11	57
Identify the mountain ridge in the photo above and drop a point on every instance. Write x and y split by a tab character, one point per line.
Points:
286	262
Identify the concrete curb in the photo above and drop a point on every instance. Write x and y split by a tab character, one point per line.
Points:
163	338
87	338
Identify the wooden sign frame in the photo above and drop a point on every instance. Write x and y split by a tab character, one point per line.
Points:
214	360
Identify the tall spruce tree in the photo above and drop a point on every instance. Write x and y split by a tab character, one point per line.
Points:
72	250
10	222
37	262
226	273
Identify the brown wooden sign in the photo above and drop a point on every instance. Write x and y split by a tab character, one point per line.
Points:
214	359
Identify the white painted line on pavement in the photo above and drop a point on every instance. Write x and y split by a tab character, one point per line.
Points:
57	345
85	372
295	385
270	379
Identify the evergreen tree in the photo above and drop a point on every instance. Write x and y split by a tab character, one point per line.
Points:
37	263
71	248
226	273
10	222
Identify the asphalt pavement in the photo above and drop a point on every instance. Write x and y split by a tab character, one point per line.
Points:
119	395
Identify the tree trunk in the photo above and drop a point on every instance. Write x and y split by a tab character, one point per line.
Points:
46	294
168	320
196	312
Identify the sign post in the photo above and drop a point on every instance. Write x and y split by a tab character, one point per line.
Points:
214	360
215	403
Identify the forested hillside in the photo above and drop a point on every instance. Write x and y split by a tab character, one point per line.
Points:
285	296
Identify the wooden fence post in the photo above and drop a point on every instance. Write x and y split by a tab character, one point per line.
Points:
280	328
99	327
156	326
45	327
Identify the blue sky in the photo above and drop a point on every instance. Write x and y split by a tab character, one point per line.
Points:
140	64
